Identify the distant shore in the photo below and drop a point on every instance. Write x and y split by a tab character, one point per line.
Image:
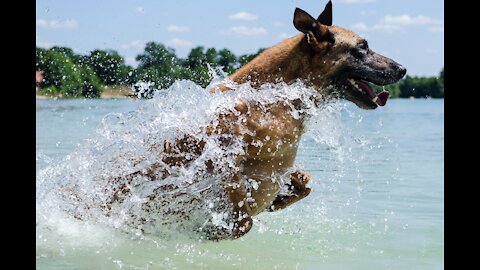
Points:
110	92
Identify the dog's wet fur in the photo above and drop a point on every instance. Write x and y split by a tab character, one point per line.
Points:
333	60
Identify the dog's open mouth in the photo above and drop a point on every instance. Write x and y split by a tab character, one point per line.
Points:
366	90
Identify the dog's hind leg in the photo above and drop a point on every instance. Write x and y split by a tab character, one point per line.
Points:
297	191
242	214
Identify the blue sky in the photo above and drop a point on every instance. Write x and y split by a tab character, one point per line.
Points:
408	31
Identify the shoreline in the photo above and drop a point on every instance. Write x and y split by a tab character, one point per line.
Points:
124	92
110	92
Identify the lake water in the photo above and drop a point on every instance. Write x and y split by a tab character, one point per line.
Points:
377	199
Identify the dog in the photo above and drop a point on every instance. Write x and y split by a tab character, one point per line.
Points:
335	61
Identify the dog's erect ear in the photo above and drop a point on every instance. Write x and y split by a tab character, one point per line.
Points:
326	17
303	21
314	30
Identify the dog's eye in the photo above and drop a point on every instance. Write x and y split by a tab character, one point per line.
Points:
358	53
360	50
363	45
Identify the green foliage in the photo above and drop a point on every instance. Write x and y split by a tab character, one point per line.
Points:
61	72
421	87
157	55
441	81
157	64
66	74
228	61
40	58
196	65
109	66
72	75
51	90
393	89
91	86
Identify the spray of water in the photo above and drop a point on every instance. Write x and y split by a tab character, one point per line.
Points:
107	181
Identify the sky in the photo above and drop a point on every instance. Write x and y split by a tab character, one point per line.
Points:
409	31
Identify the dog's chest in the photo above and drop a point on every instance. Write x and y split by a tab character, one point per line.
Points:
272	134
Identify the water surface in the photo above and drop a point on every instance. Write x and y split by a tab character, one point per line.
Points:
377	200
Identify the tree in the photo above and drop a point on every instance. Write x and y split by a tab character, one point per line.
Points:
228	61
421	87
67	52
61	72
196	65
40	58
91	84
157	64
66	74
441	80
109	66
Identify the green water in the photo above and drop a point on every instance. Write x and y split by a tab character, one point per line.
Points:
377	200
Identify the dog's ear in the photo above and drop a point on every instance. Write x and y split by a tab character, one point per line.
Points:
303	21
326	17
315	31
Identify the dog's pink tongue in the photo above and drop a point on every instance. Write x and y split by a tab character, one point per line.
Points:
366	88
382	98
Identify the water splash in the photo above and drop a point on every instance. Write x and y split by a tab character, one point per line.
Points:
90	184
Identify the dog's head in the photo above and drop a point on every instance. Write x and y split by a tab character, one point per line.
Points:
342	59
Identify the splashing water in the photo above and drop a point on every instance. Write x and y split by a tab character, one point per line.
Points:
107	181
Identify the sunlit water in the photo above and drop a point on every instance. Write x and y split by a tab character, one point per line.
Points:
376	200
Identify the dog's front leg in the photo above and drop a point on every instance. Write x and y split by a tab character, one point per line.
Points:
297	191
242	214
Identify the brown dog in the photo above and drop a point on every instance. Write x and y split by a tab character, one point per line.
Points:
333	60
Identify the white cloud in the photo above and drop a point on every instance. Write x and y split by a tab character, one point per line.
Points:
359	27
385	28
136	44
243	16
246	31
177	28
392	24
388	28
140	9
66	24
355	1
177	42
408	20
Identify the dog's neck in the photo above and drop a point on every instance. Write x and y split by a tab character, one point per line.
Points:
286	62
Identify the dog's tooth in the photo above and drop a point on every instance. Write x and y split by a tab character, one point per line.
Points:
375	99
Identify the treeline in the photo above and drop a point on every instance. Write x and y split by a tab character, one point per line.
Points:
72	75
68	74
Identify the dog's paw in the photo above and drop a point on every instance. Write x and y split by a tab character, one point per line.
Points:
299	181
243	222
